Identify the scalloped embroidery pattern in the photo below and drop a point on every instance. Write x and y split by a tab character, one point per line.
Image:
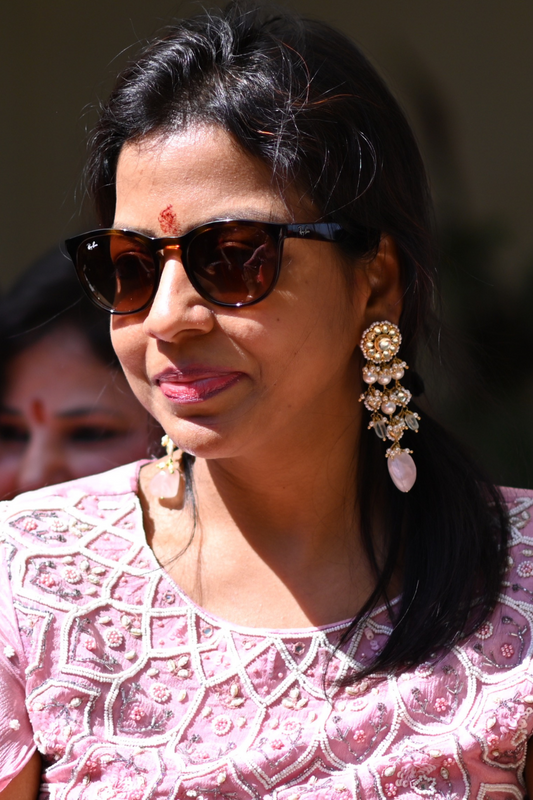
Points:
135	694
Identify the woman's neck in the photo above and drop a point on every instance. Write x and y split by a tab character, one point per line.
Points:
277	541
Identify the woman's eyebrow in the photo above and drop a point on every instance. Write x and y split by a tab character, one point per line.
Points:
245	213
240	214
135	229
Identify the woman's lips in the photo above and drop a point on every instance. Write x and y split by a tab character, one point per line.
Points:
195	386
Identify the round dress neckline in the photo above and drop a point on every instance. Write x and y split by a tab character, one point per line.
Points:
208	616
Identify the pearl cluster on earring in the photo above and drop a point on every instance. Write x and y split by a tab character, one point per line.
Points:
388	403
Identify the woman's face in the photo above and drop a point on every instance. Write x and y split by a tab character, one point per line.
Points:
225	381
64	415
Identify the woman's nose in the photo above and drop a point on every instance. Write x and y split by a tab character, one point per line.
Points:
177	307
44	461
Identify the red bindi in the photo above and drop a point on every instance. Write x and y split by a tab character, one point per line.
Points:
168	221
37	411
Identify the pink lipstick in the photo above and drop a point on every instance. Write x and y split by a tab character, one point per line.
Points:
195	384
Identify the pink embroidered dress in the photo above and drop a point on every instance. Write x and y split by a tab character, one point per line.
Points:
132	692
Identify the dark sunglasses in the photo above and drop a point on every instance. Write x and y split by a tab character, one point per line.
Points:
229	262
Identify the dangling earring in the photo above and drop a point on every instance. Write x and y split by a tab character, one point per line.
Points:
166	482
388	404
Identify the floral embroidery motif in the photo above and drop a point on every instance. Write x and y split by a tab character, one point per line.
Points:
510	653
525	569
136	713
441	705
114	638
485	631
72	575
222	724
290	727
160	693
444	705
47	580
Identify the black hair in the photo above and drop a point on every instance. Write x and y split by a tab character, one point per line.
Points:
302	98
46	296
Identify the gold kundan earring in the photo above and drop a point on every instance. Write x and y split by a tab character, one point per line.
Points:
388	403
166	482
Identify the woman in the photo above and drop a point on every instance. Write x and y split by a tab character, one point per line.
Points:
265	613
67	410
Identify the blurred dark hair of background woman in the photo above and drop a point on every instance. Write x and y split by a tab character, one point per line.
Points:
66	410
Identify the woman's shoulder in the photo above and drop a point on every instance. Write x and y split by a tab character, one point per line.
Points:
41	523
517	500
503	645
519	506
517	588
90	494
118	481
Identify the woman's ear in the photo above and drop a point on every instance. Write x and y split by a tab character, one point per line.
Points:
384	284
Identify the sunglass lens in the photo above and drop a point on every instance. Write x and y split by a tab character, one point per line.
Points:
118	270
233	263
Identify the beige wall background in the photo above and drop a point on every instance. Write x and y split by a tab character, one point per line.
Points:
463	69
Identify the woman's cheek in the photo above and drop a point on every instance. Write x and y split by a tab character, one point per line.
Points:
130	346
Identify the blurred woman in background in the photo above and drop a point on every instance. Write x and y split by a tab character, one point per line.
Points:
66	410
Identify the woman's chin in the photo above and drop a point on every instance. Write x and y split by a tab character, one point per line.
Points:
203	437
220	434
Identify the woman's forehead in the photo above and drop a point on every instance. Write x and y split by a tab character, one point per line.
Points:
194	176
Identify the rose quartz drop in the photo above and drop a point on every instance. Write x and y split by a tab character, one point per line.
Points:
402	470
163	484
